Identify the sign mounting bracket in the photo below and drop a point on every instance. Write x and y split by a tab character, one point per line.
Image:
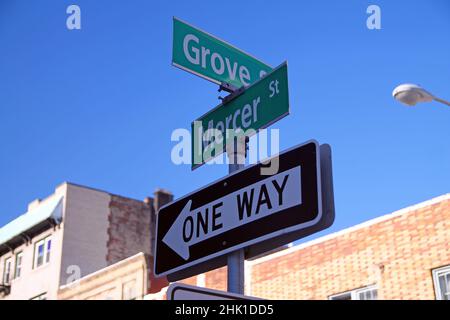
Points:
234	91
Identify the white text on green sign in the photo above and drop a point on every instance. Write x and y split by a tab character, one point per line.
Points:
257	107
208	57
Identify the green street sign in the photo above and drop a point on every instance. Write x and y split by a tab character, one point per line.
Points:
213	59
257	107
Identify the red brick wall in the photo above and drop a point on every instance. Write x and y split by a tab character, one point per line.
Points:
397	254
132	230
129	228
154	284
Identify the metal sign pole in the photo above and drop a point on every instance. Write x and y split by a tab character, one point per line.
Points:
236	259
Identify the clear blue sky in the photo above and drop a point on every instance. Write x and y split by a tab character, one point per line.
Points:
97	106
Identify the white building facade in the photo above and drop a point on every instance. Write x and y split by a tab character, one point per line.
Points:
72	233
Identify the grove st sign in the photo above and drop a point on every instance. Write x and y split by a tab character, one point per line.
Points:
204	55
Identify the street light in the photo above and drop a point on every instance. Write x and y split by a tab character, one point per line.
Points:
411	94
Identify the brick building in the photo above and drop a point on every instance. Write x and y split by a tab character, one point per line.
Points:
128	279
73	233
402	255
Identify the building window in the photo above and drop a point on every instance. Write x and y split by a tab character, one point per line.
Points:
42	252
48	245
18	268
441	278
39	253
342	296
42	296
129	290
367	293
7	271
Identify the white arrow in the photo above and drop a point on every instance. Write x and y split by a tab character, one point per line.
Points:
172	237
265	197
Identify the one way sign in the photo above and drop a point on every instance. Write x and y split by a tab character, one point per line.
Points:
258	200
241	210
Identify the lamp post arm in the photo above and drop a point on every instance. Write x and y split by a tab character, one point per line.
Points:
442	101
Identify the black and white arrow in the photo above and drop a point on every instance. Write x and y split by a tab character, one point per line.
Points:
266	197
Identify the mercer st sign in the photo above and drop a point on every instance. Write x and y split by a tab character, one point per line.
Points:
241	210
260	105
208	57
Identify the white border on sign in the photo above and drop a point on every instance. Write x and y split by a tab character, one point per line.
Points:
253	132
256	240
218	39
206	291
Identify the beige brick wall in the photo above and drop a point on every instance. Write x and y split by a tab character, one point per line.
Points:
397	253
124	280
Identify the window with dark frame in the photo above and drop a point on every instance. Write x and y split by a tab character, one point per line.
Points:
366	293
49	247
42	296
39	253
441	278
42	252
18	266
7	271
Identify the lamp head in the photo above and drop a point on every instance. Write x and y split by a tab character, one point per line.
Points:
411	94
